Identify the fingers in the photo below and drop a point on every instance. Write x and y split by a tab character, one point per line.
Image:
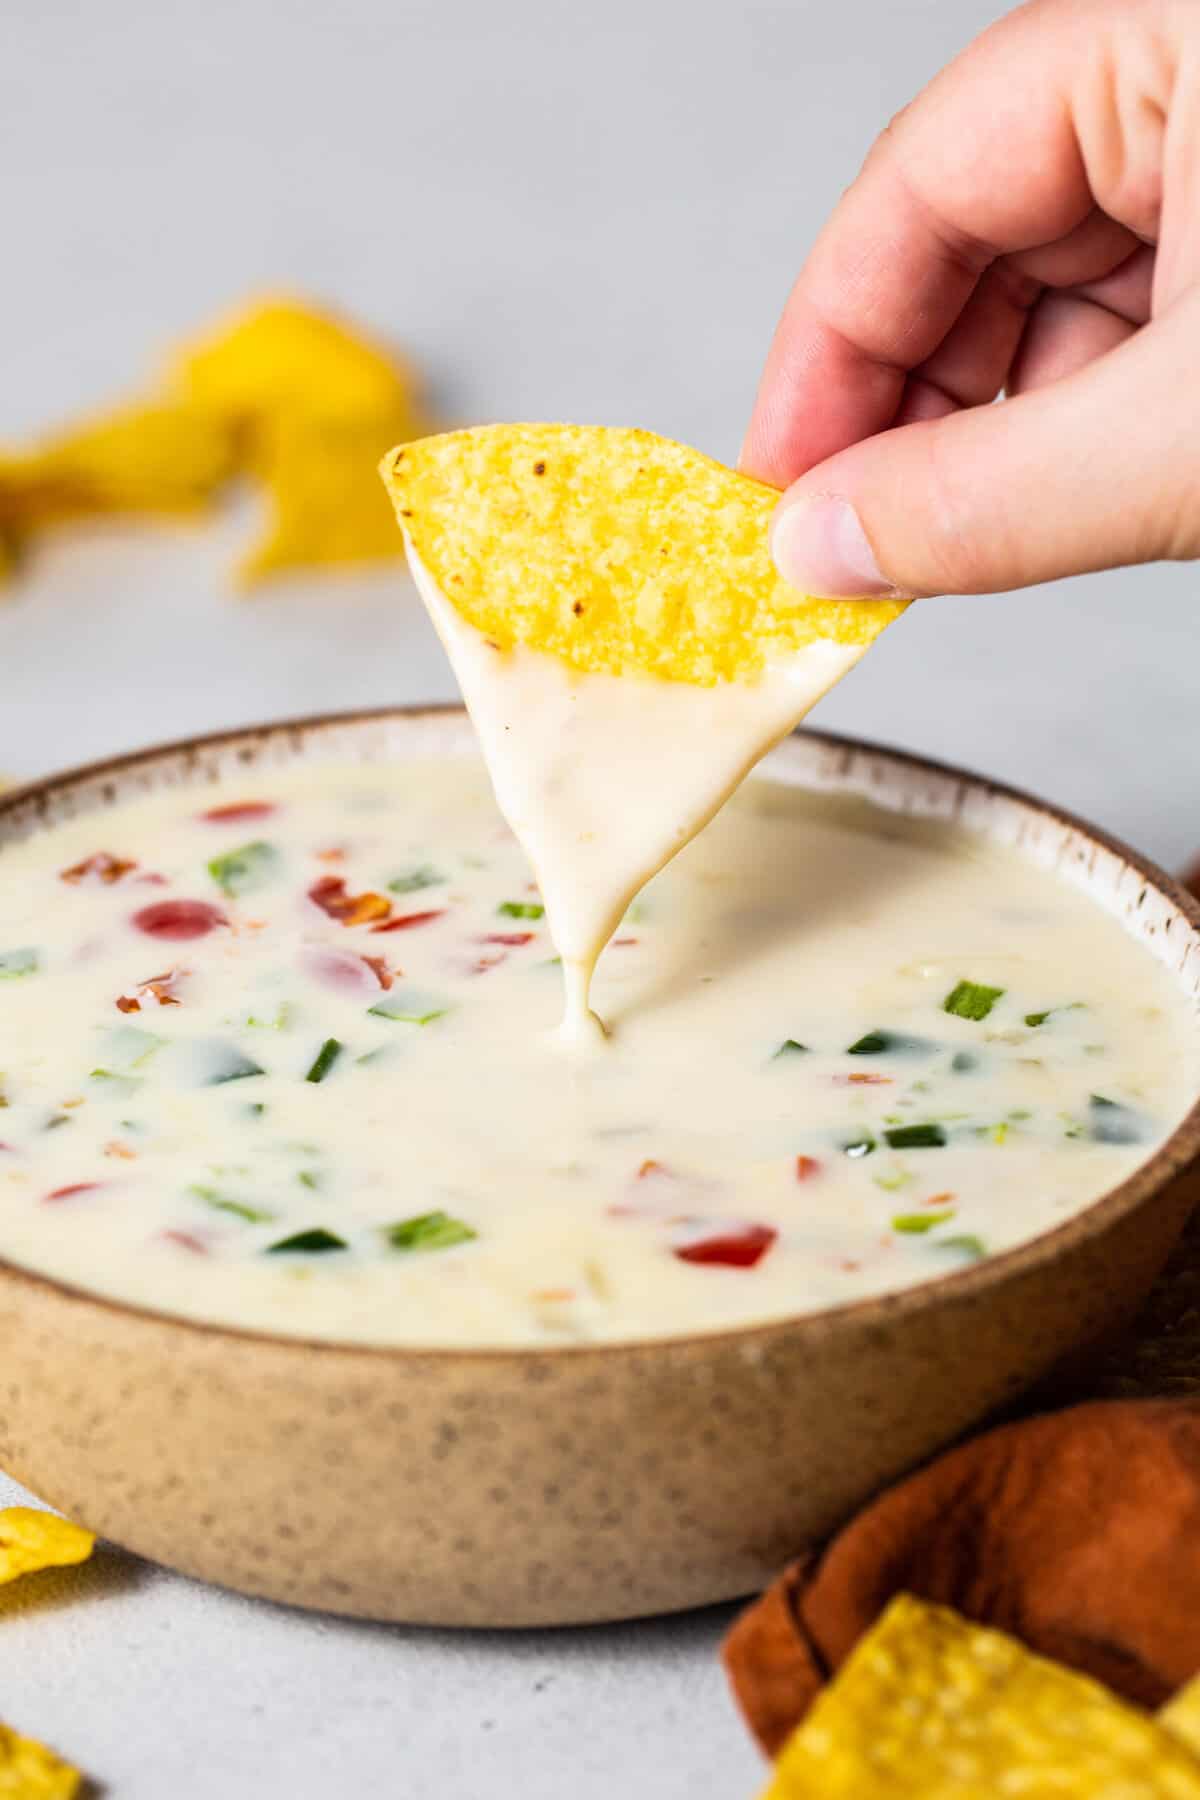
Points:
1066	332
1095	470
1036	146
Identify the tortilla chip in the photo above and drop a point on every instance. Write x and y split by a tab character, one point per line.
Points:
1181	1715
31	1539
149	457
615	550
280	356
931	1705
324	505
28	1771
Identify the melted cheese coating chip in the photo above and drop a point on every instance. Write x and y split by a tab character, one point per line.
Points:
615	550
31	1540
931	1705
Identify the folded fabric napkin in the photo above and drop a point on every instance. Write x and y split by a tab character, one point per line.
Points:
1077	1532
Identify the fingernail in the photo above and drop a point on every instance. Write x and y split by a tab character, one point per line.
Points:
820	547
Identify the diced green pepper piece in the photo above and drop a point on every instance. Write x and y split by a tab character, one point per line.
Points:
888	1043
916	1137
227	1063
253	1215
862	1145
281	1021
325	1058
413	880
1111	1123
966	1243
428	1231
126	1048
521	909
914	1223
244	871
410	1006
15	963
972	1000
790	1047
308	1243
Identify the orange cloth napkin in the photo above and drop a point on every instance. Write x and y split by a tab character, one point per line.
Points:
1078	1532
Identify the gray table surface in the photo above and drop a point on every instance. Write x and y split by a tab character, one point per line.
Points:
563	211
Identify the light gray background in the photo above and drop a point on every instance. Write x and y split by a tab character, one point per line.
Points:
564	212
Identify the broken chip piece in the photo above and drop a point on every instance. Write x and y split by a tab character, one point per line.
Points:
28	1771
31	1539
149	457
929	1704
615	550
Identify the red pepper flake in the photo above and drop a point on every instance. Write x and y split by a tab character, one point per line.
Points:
407	921
942	1200
623	943
482	964
849	1266
186	1241
807	1167
75	1188
554	1294
731	1249
176	921
239	811
334	854
117	1148
329	893
514	939
861	1078
650	1167
159	990
102	867
379	968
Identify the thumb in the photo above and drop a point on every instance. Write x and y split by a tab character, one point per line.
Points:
1099	469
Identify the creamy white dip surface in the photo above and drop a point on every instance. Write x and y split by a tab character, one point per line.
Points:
282	1053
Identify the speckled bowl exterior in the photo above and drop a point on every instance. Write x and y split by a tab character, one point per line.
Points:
563	1485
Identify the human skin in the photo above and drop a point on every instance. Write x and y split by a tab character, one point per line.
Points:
1030	225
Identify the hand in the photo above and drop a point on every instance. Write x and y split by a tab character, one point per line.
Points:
1031	224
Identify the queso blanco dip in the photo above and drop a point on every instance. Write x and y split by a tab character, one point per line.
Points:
279	1053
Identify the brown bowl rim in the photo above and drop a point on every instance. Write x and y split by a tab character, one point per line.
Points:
1176	1152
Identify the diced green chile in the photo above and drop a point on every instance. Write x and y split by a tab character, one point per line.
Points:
15	963
428	1231
790	1047
521	909
916	1137
1111	1123
410	1006
415	879
918	1223
972	1000
308	1243
246	870
253	1215
324	1060
965	1242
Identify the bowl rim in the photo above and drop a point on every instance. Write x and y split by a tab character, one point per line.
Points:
1174	1154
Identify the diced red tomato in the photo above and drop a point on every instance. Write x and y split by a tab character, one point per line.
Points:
807	1167
73	1190
344	970
239	811
736	1249
175	921
186	1241
407	921
329	893
102	867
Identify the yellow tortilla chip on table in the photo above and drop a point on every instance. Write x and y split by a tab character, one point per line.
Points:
615	550
313	404
931	1705
28	1771
1181	1715
31	1540
149	457
323	503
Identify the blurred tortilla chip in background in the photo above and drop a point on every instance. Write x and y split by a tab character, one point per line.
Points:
295	401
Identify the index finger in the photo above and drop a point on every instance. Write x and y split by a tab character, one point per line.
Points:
984	163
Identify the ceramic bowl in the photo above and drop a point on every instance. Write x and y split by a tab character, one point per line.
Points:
561	1485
